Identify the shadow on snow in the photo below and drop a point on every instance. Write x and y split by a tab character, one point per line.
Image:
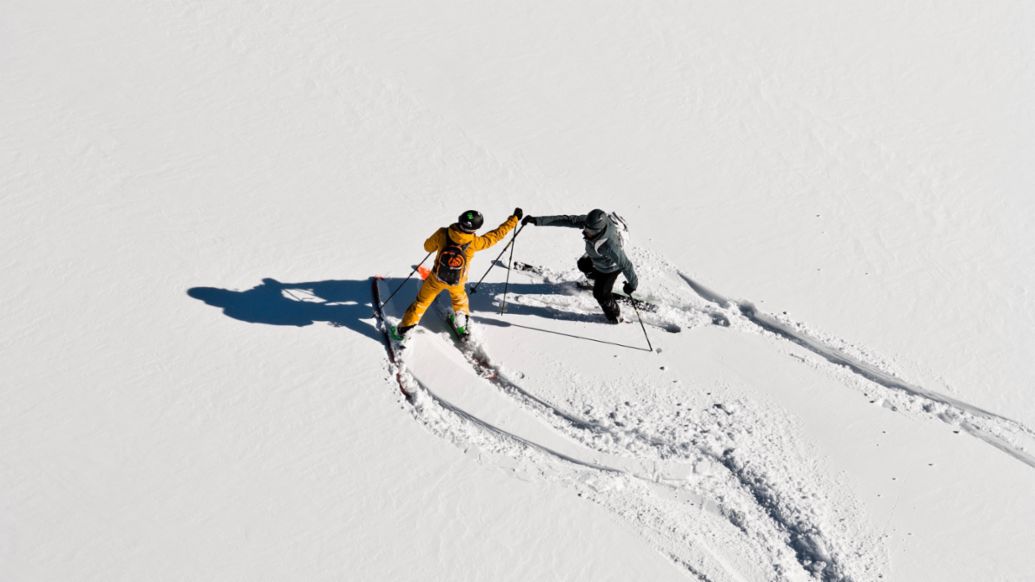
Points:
348	303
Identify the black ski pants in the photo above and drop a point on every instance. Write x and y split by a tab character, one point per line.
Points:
603	283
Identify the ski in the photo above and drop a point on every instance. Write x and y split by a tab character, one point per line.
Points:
391	345
587	285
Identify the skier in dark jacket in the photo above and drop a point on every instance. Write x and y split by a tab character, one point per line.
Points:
604	258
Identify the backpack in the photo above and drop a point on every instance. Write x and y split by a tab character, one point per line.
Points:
621	228
451	262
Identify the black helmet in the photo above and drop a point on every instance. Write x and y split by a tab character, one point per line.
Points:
596	221
470	221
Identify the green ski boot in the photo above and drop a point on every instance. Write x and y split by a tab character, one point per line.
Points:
459	325
399	334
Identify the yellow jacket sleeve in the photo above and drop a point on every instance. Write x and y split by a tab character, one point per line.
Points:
494	236
436	241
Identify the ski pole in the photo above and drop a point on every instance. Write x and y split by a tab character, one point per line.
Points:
407	279
633	302
516	233
510	262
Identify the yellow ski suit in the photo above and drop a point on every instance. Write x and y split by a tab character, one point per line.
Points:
457	293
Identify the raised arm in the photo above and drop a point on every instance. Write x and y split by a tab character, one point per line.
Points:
494	236
566	220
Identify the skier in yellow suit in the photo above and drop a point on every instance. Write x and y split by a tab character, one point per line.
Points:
455	246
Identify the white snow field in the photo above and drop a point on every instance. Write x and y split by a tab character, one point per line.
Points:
830	203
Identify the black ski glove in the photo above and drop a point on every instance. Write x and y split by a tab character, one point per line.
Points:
628	288
530	220
518	213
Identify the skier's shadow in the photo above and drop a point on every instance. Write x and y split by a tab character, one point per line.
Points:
340	303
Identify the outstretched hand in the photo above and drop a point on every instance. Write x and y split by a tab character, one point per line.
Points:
628	288
529	220
518	213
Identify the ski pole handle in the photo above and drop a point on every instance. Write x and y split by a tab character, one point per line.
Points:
512	239
407	279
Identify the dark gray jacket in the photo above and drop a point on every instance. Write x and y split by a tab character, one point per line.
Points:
604	249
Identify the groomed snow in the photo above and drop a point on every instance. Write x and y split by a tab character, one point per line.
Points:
829	202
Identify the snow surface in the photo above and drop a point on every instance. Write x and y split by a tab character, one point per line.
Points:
830	200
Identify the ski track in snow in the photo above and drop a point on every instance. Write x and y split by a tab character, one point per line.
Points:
1005	434
803	538
777	530
640	498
